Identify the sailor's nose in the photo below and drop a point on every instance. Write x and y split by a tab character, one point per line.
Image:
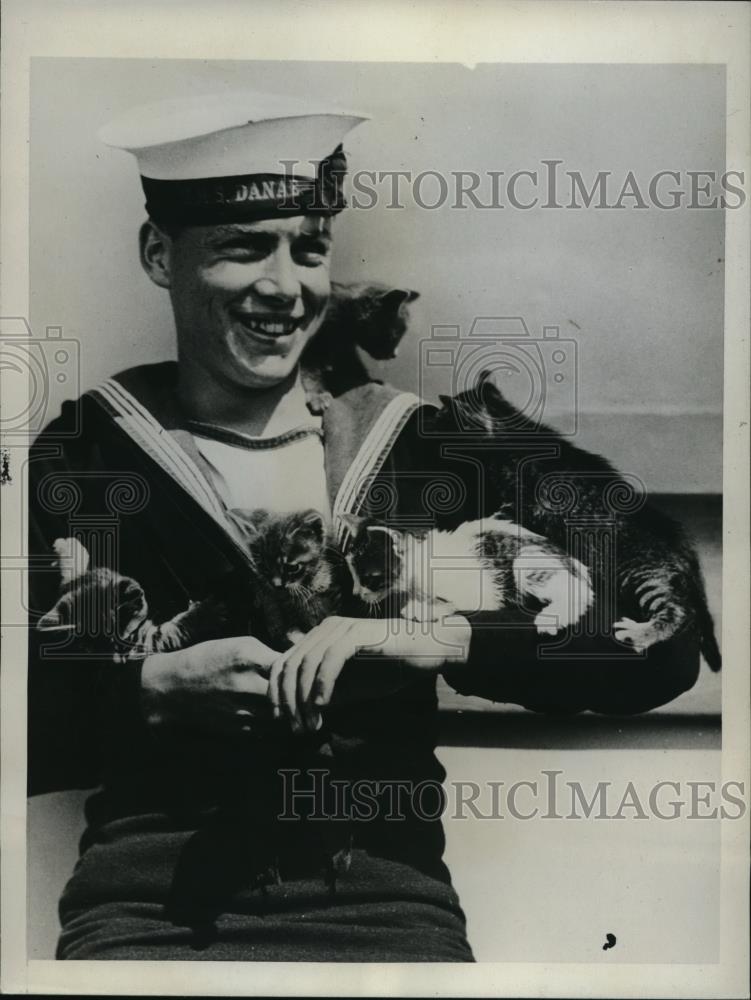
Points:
277	581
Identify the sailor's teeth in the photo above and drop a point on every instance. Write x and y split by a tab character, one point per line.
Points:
273	328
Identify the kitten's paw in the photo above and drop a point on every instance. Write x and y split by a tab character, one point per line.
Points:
546	624
319	402
416	612
342	861
426	611
638	635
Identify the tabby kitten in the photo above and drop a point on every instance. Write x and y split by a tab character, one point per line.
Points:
369	316
109	615
481	566
657	578
300	578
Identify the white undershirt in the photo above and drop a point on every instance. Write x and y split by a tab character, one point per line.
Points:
281	471
286	478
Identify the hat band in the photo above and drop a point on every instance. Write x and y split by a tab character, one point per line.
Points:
215	200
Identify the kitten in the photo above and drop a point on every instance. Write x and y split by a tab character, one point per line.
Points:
658	581
481	566
369	316
300	578
109	615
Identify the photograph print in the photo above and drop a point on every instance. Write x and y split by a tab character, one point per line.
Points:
373	511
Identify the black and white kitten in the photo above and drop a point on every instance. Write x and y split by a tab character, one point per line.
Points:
482	565
655	575
371	317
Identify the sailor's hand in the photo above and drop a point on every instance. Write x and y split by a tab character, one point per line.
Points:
215	684
302	679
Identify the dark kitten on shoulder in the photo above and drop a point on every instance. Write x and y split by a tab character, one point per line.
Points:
372	317
657	583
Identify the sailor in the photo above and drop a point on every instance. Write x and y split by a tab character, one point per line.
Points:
241	195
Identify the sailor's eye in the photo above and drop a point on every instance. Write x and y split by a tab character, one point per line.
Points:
294	569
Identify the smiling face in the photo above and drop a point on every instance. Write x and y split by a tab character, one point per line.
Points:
247	297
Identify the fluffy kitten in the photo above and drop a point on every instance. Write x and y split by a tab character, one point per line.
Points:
109	615
300	578
481	566
658	582
369	316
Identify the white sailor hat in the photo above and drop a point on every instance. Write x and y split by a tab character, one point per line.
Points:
235	156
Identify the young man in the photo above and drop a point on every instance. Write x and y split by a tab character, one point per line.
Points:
185	855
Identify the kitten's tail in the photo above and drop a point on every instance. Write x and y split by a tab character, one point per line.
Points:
708	641
708	644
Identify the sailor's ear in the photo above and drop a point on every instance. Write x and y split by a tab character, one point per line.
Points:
446	401
155	246
353	522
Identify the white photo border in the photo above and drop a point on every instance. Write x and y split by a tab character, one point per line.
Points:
424	31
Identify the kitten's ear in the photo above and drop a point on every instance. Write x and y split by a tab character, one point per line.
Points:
49	621
340	291
470	409
397	297
132	608
353	523
54	621
488	389
312	521
248	521
393	534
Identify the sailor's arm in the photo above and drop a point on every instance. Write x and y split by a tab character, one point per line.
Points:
510	662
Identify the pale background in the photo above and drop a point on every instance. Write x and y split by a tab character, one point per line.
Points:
641	291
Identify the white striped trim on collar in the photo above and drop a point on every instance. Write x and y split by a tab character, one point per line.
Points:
370	457
142	426
158	443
